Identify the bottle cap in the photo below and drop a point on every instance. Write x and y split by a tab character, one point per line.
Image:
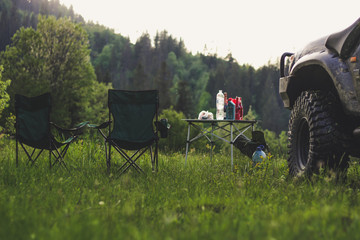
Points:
260	148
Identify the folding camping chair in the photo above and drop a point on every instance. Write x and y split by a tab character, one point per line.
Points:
33	129
131	127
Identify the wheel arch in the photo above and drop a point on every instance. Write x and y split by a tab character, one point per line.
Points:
324	71
309	77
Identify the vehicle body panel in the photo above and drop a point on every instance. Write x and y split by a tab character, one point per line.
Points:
328	64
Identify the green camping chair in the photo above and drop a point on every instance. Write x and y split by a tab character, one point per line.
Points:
131	127
33	129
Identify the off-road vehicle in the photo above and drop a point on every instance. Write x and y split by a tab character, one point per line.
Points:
321	86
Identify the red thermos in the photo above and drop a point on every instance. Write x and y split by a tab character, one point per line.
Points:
237	108
241	110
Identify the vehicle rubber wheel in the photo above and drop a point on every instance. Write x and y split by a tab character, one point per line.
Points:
315	135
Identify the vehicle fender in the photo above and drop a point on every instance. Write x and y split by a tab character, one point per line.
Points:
317	64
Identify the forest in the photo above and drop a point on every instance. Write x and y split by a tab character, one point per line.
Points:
103	59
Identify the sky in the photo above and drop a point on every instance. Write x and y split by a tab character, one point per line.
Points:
255	32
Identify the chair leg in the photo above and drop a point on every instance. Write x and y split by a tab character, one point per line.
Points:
31	157
17	154
130	161
33	161
106	153
59	158
152	157
49	159
27	154
156	156
108	159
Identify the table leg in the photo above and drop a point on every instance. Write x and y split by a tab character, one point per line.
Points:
212	142
231	146
187	144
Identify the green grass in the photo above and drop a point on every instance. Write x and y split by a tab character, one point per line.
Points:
203	200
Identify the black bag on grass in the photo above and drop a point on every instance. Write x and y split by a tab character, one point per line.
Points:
247	146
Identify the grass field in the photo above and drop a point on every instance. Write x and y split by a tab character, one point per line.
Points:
203	200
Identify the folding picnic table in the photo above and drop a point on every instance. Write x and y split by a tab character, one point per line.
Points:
211	131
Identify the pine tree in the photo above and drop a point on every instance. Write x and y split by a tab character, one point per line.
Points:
184	102
163	83
139	79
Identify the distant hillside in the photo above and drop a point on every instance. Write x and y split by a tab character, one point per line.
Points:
23	13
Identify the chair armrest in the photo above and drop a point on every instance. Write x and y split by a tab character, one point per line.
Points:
163	127
101	126
74	129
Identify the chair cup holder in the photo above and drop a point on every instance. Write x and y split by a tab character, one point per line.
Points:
163	127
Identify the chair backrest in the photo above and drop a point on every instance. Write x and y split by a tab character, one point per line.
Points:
33	119
133	114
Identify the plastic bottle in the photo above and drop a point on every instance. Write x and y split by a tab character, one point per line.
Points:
225	104
237	109
241	110
259	155
230	110
220	105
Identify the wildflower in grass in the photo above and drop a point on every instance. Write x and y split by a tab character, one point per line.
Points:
236	168
96	182
101	203
209	147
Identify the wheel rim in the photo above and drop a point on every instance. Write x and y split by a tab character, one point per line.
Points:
303	142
